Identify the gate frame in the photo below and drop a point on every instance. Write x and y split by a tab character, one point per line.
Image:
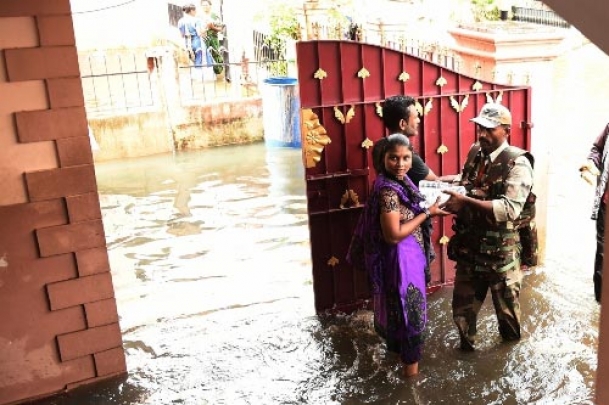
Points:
342	86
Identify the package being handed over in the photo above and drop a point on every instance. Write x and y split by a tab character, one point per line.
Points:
434	189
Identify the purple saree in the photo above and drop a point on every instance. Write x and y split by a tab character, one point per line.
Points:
396	272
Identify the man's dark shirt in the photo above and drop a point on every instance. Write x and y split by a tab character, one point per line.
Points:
419	169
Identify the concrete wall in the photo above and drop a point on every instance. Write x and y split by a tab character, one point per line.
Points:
173	123
200	126
221	123
59	323
133	135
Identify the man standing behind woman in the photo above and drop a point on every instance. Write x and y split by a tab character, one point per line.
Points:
389	242
400	116
214	28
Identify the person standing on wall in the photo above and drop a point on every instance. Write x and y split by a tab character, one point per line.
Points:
192	29
185	35
596	172
486	244
388	243
214	37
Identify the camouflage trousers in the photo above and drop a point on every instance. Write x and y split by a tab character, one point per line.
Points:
471	288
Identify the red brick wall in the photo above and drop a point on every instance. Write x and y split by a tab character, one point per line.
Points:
59	323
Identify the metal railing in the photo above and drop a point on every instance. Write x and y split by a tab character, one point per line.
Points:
201	85
262	52
542	16
116	82
395	36
432	52
122	83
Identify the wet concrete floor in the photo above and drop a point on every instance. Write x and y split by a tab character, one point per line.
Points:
211	264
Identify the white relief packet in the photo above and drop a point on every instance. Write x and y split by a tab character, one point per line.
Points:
431	190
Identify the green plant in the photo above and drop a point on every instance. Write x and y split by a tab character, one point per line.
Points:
283	27
485	10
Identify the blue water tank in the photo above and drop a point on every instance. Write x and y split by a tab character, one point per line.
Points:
281	112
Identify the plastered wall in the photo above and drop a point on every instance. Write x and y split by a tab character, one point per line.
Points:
59	325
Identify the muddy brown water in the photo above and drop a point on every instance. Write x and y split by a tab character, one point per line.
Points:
211	263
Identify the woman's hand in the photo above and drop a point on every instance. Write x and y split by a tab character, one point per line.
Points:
435	209
589	172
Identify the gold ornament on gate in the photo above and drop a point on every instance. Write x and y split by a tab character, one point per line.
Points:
367	143
379	109
441	81
404	77
315	137
459	107
363	73
442	149
333	261
349	199
444	240
342	118
477	86
424	110
497	100
320	74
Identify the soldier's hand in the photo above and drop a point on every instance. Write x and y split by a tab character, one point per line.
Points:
454	203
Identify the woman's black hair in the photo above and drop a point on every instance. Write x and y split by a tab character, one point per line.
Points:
382	146
378	154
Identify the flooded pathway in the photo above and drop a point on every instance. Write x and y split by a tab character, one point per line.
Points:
211	263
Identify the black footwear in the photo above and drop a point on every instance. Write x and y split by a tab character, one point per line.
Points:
466	345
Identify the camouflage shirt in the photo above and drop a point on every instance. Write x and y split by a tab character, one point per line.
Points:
519	183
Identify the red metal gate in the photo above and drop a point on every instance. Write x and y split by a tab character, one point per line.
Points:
342	88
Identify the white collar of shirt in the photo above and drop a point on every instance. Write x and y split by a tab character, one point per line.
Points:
497	151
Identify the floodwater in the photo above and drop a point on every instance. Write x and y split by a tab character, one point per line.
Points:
211	264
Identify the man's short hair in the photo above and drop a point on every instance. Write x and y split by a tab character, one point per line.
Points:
395	108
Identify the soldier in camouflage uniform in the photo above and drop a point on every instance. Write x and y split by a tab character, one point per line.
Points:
486	244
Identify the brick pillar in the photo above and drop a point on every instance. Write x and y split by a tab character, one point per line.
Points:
59	324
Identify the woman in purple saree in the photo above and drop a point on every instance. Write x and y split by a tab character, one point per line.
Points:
388	243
